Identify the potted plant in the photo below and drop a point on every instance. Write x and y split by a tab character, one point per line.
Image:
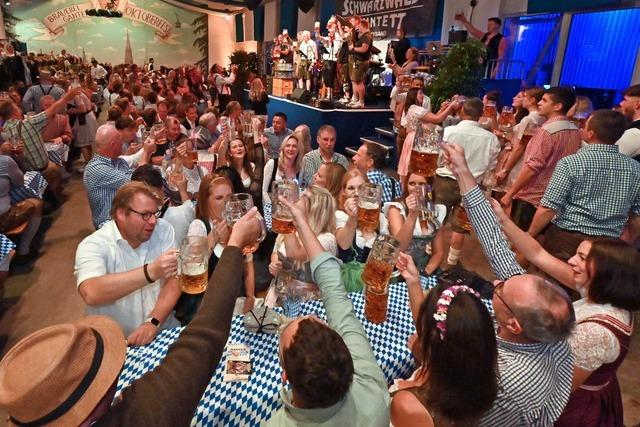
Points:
459	73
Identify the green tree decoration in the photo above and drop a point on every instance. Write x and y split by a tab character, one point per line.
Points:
247	64
10	21
201	30
459	73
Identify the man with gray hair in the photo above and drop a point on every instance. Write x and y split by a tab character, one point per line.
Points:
534	317
108	170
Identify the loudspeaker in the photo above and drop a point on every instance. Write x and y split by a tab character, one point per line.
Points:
302	96
457	36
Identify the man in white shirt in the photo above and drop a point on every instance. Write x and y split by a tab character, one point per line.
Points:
307	54
98	73
127	269
332	44
629	143
222	85
481	149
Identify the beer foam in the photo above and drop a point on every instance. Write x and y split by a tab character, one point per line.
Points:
193	269
368	205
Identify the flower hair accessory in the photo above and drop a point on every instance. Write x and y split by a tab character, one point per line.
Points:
445	301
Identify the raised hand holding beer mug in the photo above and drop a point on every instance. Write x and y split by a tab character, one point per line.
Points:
376	275
369	204
235	206
281	216
425	151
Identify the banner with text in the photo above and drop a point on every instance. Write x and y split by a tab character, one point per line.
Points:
55	21
385	16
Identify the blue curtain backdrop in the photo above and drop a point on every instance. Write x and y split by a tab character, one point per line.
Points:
602	49
258	23
239	28
289	17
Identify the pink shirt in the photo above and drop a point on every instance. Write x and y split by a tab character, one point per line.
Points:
556	139
58	126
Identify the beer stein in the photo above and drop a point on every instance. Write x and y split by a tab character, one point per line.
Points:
192	263
463	218
424	153
426	208
529	131
191	145
281	217
506	122
235	206
159	133
247	123
376	275
369	204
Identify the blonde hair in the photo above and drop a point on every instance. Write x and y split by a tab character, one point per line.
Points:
127	192
351	173
256	89
303	134
299	156
321	210
335	172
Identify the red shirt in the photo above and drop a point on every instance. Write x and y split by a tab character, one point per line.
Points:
556	139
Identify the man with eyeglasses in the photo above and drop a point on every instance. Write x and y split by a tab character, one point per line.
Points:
127	269
534	318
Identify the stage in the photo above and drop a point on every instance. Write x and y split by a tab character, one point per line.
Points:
351	124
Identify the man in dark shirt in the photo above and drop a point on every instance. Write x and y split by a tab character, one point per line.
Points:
401	47
495	43
360	51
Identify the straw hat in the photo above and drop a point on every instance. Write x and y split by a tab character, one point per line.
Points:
72	365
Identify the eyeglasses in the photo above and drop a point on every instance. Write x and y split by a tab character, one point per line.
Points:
496	289
146	216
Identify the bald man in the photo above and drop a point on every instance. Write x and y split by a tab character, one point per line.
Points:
534	318
109	170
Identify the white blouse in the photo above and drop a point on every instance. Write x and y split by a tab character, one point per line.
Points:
592	344
361	240
441	213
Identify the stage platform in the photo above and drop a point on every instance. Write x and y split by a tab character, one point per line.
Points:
351	124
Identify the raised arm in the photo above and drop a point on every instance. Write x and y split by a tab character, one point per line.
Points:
484	221
346	233
475	31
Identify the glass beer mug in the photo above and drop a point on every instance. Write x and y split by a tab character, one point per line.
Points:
281	217
369	204
376	275
235	206
424	153
193	262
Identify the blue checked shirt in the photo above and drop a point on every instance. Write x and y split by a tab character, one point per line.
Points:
594	190
390	187
534	379
102	179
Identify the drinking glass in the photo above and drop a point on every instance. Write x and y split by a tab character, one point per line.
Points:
427	213
529	131
580	119
173	169
376	275
235	206
369	204
506	122
191	145
193	263
423	160
463	218
281	217
159	133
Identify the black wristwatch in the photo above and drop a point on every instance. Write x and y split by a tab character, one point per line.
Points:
155	322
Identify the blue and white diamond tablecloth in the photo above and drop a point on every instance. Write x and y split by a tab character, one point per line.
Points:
251	403
266	209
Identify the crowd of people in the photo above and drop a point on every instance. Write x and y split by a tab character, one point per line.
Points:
566	199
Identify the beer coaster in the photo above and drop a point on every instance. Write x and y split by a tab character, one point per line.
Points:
238	364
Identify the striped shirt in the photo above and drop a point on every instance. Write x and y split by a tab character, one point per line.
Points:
556	139
534	379
29	130
390	187
593	191
311	163
102	179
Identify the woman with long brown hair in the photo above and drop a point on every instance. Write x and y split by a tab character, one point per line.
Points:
234	154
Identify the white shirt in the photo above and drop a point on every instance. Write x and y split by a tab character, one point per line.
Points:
98	72
361	240
332	48
309	49
180	217
629	143
107	252
441	213
481	148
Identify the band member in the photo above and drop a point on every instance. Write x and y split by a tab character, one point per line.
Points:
222	81
349	35
307	55
332	44
359	62
495	43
